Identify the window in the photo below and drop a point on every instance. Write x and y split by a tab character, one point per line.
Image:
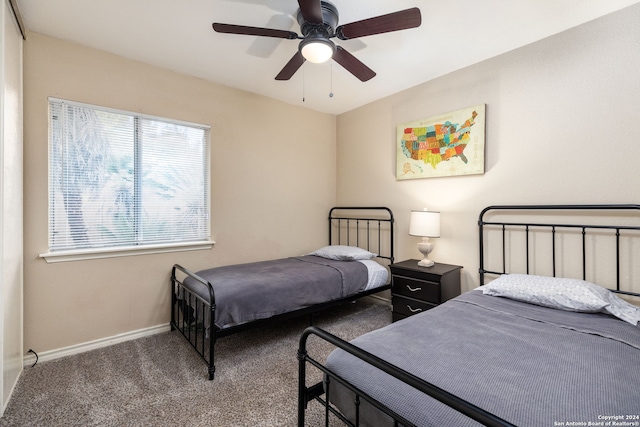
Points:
123	180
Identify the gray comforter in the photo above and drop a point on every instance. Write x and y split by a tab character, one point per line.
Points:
530	365
259	290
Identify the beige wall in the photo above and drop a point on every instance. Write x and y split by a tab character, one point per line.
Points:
561	127
273	181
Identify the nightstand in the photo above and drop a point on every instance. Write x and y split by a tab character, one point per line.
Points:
415	289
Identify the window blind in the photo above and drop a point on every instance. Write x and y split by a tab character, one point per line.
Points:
123	179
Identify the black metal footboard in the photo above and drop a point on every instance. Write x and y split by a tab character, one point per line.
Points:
306	394
193	316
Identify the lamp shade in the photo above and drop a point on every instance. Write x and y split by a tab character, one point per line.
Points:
424	223
317	49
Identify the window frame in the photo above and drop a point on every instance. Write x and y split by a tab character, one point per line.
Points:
62	255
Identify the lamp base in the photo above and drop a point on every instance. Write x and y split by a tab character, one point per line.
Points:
425	247
426	262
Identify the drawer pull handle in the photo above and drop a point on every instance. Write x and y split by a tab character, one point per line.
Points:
414	310
413	289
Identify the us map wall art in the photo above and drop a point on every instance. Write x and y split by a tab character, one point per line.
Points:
445	145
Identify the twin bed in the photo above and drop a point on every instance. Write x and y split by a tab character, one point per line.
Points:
209	304
529	348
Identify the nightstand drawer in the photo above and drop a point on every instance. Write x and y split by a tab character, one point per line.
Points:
419	289
410	306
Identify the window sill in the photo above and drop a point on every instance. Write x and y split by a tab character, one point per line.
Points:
80	255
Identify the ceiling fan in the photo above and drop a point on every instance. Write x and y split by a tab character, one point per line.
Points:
318	21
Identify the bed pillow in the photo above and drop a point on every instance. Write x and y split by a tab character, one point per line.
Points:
554	292
377	274
623	310
343	253
562	293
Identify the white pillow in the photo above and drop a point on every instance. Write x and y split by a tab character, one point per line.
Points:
563	294
623	310
554	292
378	275
343	253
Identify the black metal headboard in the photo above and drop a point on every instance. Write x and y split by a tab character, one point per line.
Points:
618	225
370	228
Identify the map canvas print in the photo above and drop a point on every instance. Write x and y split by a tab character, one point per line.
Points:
445	145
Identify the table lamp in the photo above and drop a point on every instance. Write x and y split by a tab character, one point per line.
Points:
425	224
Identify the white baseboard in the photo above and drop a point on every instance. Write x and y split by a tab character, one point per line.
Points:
380	298
29	359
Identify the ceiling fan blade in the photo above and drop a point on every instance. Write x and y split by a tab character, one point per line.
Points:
311	11
292	66
253	31
353	64
401	20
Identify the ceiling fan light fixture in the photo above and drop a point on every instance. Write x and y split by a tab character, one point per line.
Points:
318	20
317	50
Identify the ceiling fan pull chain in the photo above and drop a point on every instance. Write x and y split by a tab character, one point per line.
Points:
303	67
331	81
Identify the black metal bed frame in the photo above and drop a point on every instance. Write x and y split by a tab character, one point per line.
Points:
373	232
307	394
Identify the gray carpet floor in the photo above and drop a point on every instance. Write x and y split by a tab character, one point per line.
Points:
161	381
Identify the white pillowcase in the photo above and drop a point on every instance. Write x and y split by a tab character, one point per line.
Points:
554	292
562	293
343	253
623	310
377	274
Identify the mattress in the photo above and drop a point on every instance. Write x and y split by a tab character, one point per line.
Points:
259	290
530	365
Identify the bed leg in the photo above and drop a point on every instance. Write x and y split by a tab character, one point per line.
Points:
302	398
173	299
212	341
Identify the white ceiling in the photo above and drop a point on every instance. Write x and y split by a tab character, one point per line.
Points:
177	34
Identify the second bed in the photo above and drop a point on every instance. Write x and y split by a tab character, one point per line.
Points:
212	303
